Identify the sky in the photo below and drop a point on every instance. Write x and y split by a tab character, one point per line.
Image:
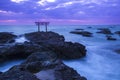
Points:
60	11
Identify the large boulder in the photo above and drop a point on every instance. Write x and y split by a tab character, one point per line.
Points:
117	32
17	73
67	50
40	60
19	51
111	38
42	37
56	43
63	72
59	72
83	33
41	63
6	37
104	31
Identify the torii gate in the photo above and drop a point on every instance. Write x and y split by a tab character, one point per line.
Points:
42	23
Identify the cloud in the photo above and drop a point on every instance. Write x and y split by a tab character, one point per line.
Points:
18	1
44	2
7	20
60	9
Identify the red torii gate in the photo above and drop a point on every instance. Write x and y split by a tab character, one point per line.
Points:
42	23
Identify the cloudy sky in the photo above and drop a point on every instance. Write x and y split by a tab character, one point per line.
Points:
60	11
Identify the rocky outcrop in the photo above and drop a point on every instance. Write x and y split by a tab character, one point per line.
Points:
17	73
78	29
83	33
6	37
56	43
63	72
117	32
40	62
117	51
110	38
43	54
67	50
43	37
104	31
19	50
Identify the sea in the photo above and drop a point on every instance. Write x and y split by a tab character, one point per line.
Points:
101	61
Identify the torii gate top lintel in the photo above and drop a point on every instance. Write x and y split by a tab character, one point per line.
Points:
42	23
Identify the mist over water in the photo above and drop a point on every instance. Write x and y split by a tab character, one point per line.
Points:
101	61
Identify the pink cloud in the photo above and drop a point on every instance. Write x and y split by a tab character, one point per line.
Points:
7	21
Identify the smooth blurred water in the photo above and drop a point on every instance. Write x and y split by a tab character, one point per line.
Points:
100	63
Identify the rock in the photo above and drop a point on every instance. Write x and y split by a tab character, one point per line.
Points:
59	72
117	51
67	50
40	60
41	56
63	72
42	37
6	37
83	33
19	51
110	38
117	32
79	29
1	73
56	43
104	31
17	73
89	27
42	53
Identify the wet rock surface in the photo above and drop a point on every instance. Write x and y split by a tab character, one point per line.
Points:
42	53
117	32
16	73
43	37
6	37
111	38
83	33
104	31
19	51
56	43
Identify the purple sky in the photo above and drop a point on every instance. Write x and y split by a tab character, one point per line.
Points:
60	11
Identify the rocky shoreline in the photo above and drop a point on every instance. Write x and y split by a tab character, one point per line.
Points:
43	56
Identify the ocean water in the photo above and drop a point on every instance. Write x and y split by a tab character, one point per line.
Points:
101	61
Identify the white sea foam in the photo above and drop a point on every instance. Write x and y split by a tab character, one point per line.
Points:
21	40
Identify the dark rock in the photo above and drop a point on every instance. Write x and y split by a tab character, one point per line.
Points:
89	27
63	72
41	56
42	37
79	29
104	31
83	33
110	38
55	42
117	32
16	73
42	53
19	51
67	50
117	51
40	60
1	73
6	37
